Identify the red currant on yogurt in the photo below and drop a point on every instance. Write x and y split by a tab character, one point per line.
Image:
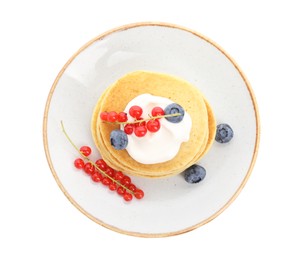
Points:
135	111
153	125
157	111
128	129
140	131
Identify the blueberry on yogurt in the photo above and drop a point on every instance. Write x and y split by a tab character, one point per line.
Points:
194	174
224	133
118	139
174	109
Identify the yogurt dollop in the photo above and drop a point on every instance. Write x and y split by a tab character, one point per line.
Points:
163	145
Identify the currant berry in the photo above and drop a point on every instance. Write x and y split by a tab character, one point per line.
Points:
112	186
135	111
120	190
140	131
122	117
85	150
89	168
140	123
110	172
153	125
104	116
106	181
132	187
101	164
157	111
79	163
119	176
139	194
126	180
127	196
96	177
112	116
128	129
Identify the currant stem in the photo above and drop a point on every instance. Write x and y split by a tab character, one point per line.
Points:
144	120
86	158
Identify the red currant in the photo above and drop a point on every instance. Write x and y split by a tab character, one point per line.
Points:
157	111
112	186
153	125
128	129
120	190
139	194
79	163
119	176
135	111
85	150
110	172
140	123
112	117
101	164
106	181
132	187
140	131
126	180
127	196
89	168
96	177
104	116
122	117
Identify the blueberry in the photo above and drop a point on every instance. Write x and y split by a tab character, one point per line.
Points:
118	139
195	174
173	109
224	133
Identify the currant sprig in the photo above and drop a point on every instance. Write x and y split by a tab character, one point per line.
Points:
115	180
140	126
107	117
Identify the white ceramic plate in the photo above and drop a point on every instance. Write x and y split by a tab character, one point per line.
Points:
170	206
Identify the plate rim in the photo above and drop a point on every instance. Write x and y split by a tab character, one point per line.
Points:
132	233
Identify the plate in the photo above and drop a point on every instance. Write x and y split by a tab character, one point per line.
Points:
170	206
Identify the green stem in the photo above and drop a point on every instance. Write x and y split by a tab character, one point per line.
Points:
86	158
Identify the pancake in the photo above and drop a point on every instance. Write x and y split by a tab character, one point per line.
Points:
117	96
212	132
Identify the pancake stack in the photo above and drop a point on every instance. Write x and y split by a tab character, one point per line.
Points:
117	96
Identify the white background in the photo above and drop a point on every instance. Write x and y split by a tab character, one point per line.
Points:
37	38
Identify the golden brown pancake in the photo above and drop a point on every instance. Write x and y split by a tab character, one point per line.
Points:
117	96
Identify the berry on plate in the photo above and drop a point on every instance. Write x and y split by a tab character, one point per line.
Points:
195	174
224	133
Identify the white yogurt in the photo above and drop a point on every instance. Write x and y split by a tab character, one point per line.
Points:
163	145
